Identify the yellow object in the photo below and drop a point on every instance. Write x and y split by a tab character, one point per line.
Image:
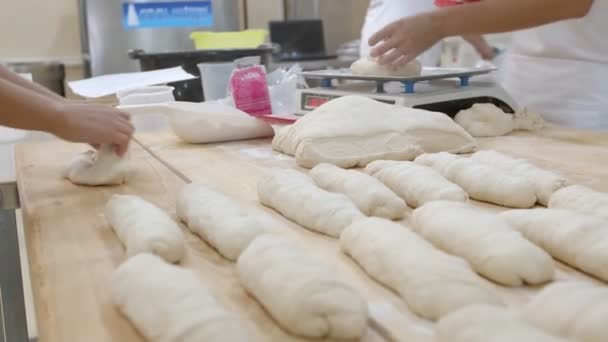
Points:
228	40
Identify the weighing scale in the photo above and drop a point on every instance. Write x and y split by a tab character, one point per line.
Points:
446	90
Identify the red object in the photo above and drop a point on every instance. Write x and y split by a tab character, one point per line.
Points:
250	90
447	3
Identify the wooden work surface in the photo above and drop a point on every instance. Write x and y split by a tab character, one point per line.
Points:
73	251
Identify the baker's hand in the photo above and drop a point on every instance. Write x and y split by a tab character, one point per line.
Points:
402	41
94	124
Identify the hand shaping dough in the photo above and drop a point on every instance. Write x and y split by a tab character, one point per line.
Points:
102	167
218	219
296	197
300	291
483	182
576	310
578	240
582	200
487	120
432	283
545	182
368	193
355	130
367	66
494	249
169	304
144	228
486	323
416	184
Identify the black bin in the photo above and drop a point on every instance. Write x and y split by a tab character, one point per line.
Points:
192	90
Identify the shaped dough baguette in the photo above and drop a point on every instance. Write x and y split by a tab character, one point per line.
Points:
578	240
431	282
416	184
487	323
482	182
300	291
572	309
371	196
581	199
545	182
296	197
218	219
144	228
94	168
490	244
167	303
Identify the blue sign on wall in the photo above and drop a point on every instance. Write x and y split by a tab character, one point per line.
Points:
196	13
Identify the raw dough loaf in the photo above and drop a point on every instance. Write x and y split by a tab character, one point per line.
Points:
578	240
487	323
371	196
431	282
416	184
296	197
487	120
581	199
355	130
301	291
144	228
169	304
483	182
545	182
102	167
368	66
492	247
573	309
208	122
218	219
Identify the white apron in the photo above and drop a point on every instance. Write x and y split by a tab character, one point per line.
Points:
560	70
384	12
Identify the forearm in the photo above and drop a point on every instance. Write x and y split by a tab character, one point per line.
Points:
10	76
496	16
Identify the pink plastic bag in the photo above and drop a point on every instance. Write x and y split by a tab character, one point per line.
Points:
249	89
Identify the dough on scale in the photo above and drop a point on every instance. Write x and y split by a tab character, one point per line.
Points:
371	196
94	168
355	130
487	120
167	303
578	240
144	228
416	184
573	309
431	282
487	323
295	196
488	242
218	219
545	182
368	66
483	182
301	291
581	199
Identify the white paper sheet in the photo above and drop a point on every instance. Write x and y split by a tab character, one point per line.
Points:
111	84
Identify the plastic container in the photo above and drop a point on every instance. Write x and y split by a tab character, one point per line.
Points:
146	95
247	39
215	78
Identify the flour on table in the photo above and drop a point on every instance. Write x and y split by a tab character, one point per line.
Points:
218	219
487	120
354	130
431	282
94	168
168	303
300	290
144	228
488	242
368	66
371	196
581	199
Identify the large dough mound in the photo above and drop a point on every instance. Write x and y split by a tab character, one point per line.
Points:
355	130
93	168
487	120
367	66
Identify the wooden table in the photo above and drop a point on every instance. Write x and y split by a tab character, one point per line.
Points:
72	250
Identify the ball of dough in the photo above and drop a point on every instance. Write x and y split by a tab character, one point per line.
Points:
93	168
367	66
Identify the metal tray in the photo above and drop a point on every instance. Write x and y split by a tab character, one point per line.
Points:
428	73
